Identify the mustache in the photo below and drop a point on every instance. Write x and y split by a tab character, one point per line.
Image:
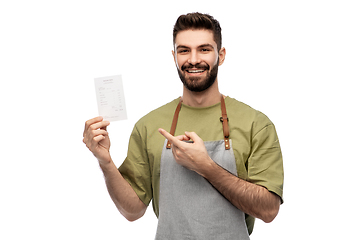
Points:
198	65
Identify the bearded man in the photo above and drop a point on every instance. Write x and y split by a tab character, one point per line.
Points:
219	166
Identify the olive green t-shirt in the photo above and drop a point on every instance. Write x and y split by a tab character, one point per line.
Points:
254	140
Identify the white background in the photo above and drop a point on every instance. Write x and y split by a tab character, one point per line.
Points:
296	61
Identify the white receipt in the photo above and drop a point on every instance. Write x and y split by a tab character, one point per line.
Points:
110	98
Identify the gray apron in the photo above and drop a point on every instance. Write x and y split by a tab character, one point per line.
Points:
189	206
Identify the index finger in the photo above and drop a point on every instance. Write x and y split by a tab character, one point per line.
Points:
169	137
88	123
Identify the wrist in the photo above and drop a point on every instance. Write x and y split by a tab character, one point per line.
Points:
208	169
106	163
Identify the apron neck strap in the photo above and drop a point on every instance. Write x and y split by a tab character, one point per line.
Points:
224	119
174	122
225	122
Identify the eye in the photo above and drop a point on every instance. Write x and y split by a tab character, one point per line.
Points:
205	50
182	51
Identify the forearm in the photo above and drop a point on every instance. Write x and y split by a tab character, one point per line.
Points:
122	194
252	199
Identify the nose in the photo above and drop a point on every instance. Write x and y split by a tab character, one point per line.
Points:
194	58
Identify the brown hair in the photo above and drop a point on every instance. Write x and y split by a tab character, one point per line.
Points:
198	21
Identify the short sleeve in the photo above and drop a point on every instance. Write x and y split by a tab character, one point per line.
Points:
265	164
135	169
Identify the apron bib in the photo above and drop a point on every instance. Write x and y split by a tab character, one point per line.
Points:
189	206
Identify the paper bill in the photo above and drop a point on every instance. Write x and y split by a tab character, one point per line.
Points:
110	98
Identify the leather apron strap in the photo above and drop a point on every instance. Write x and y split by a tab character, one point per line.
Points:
174	122
224	119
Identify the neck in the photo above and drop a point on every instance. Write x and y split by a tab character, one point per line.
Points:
205	98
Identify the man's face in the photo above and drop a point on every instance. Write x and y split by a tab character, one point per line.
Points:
197	59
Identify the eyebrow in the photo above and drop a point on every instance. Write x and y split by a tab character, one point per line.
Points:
201	46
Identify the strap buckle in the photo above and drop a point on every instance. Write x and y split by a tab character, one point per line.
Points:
222	119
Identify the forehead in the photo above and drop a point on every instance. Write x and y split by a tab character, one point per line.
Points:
194	38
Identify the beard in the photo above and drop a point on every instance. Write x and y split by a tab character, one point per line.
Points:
195	84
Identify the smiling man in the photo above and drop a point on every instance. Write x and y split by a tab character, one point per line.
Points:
220	164
193	60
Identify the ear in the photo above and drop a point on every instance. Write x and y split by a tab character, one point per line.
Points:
222	54
173	53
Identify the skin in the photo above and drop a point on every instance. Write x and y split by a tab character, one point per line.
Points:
97	141
192	47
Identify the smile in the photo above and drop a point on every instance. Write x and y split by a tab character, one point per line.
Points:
195	70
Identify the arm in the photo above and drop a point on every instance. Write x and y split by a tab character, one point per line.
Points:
252	199
126	200
122	194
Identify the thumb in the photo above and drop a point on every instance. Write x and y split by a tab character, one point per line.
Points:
193	136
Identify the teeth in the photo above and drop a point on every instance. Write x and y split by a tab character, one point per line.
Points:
195	71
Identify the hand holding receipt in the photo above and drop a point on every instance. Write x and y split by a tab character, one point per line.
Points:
110	98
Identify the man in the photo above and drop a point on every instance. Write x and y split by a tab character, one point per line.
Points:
219	168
